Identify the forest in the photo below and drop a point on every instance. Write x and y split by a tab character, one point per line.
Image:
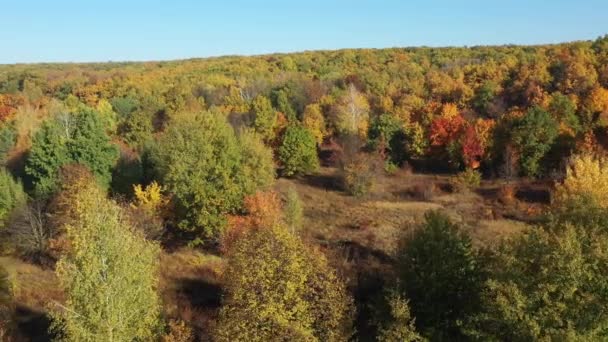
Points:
401	194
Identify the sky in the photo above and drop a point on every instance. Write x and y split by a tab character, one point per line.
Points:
136	30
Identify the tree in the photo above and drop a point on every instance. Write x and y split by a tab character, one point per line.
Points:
533	135
264	117
441	274
109	275
564	111
549	283
278	289
386	133
258	162
201	163
353	113
314	121
294	213
8	137
70	138
12	195
399	325
445	135
298	151
586	175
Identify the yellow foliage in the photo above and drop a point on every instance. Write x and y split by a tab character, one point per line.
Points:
314	121
586	175
449	110
150	198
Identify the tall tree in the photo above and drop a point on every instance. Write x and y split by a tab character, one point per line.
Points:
70	138
109	275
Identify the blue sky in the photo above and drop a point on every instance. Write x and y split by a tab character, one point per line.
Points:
118	30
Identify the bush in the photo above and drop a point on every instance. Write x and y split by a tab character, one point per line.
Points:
298	151
358	173
466	180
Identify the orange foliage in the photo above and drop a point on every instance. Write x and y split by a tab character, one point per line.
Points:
263	211
8	106
446	129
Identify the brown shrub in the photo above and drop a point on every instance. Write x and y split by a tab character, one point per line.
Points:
506	194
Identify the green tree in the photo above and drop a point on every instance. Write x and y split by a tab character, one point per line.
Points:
441	274
8	137
533	134
12	195
258	167
70	138
277	289
109	275
564	111
398	326
284	105
264	117
200	161
549	283
298	151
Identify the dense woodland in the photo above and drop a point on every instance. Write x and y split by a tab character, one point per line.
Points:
109	170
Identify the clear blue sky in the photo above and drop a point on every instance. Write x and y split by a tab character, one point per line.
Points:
117	30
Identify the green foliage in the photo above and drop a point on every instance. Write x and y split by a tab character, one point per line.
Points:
6	305
387	134
533	134
11	195
298	151
257	163
484	97
277	289
264	117
467	180
441	274
8	137
549	284
564	111
399	325
284	105
202	163
137	128
70	138
109	275
293	210
124	106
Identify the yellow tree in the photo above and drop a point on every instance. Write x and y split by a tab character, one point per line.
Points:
109	275
277	289
353	113
587	175
314	121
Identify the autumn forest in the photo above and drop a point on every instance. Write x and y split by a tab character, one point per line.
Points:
401	194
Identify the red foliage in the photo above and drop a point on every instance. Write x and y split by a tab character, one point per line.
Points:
472	149
8	106
445	130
